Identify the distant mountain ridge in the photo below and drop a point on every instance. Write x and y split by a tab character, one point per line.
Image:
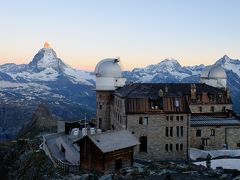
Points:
69	93
46	66
170	71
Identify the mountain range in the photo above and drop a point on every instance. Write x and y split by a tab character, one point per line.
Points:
69	93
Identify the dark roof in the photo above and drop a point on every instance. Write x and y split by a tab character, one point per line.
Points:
151	90
214	121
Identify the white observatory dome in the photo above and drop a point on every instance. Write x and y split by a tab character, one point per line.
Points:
108	68
214	76
214	72
217	72
109	75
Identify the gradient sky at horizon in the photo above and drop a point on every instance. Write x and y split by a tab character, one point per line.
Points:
140	32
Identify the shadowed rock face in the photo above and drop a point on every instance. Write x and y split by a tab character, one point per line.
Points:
41	121
12	119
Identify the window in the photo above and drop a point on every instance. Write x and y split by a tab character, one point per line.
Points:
118	164
100	106
171	131
181	130
238	145
212	132
181	118
171	118
166	147
219	98
181	147
167	118
177	118
204	141
166	131
177	147
177	128
145	121
198	133
200	108
224	109
212	108
211	97
143	144
170	147
199	97
140	120
100	123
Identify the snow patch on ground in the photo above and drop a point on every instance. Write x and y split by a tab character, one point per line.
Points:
7	84
48	74
224	163
197	153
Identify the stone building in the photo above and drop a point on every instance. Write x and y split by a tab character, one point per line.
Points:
165	116
213	123
210	133
157	115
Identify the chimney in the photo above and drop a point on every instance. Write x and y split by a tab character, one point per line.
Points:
193	91
160	93
166	89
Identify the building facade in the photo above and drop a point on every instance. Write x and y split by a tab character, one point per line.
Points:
159	119
164	117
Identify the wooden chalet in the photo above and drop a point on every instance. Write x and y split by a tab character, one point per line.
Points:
107	152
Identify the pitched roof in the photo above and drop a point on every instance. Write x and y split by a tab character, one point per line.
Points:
151	90
114	140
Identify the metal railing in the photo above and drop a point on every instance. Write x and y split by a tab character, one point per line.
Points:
67	167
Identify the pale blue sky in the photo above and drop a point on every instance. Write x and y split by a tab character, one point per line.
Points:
141	32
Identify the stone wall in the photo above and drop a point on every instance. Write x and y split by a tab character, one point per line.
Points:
103	101
223	135
118	113
155	131
206	108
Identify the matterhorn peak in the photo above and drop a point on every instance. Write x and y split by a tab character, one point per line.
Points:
47	45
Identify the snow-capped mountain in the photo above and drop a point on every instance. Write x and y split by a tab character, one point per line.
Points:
46	79
170	71
46	66
229	64
69	93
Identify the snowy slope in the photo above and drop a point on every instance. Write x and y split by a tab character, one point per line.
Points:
46	66
230	64
168	70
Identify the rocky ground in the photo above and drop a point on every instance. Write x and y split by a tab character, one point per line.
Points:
165	171
22	159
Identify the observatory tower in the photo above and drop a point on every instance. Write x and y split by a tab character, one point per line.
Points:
214	76
108	78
